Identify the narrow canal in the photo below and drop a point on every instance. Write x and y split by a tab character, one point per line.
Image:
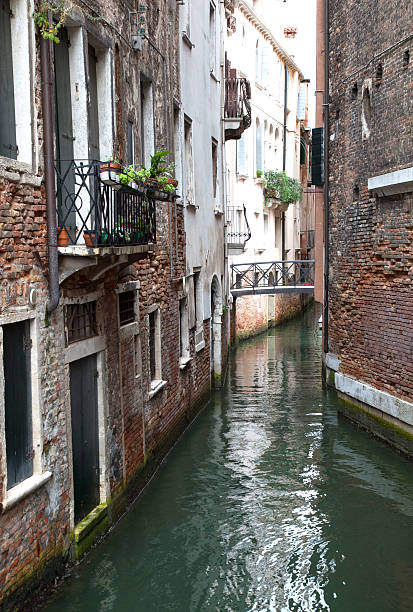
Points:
270	502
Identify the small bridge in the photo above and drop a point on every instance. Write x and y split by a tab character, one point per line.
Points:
272	277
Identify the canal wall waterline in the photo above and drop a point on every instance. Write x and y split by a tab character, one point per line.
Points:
380	414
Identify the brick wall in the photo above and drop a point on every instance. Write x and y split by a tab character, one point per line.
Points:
371	238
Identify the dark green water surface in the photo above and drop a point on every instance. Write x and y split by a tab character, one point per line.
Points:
270	502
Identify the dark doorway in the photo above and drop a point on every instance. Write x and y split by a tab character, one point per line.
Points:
85	440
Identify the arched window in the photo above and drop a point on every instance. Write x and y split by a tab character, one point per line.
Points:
258	148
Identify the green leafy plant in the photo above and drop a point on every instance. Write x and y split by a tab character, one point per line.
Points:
49	29
279	186
129	174
156	168
259	173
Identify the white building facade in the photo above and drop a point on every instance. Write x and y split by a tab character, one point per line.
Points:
272	143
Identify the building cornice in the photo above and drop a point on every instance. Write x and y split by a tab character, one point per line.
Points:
252	16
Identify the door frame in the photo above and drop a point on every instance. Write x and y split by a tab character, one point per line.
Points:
74	352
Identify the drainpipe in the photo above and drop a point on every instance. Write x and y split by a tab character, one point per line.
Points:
49	172
326	176
284	158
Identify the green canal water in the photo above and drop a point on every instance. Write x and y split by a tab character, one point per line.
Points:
270	502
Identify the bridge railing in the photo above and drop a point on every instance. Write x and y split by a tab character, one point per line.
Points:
272	274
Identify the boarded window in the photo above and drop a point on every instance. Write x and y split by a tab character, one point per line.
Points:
126	307
18	403
8	146
80	321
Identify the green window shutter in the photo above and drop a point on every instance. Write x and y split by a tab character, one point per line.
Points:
317	157
8	146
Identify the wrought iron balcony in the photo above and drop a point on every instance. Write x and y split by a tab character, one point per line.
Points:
238	229
295	276
97	214
237	107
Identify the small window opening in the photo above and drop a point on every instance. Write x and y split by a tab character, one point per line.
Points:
356	193
354	92
152	355
406	58
379	75
366	114
126	307
81	321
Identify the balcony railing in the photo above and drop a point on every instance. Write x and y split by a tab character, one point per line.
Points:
102	215
238	229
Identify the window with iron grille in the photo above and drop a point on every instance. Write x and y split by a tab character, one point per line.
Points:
81	321
126	307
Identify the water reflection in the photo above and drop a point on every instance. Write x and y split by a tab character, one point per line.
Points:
270	502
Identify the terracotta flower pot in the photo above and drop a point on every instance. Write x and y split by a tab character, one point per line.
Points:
89	238
109	173
62	237
173	182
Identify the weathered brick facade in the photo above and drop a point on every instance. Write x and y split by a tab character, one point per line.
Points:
137	421
370	303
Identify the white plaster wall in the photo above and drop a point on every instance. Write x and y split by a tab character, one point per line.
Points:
201	102
300	14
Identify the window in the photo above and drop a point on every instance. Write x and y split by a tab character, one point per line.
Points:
147	127
8	146
93	106
183	329
265	64
198	308
242	155
177	145
257	60
15	70
366	113
212	39
189	163
186	20
258	147
127	307
80	321
214	156
18	401
138	355
265	225
155	345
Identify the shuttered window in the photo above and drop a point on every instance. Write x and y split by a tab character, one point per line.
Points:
93	105
18	403
8	146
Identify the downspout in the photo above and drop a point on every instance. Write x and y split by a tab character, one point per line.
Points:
49	172
326	175
284	159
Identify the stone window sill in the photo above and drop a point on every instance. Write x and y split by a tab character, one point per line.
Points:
183	362
25	488
187	40
192	206
156	386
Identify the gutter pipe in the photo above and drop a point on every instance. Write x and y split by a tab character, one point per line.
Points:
49	171
326	176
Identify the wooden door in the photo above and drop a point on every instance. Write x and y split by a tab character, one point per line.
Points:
18	402
64	134
85	439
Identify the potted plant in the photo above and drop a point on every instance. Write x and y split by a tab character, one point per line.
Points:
279	186
110	172
89	237
159	175
62	236
129	176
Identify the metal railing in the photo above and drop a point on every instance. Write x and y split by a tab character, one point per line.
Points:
237	94
100	214
238	229
272	274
